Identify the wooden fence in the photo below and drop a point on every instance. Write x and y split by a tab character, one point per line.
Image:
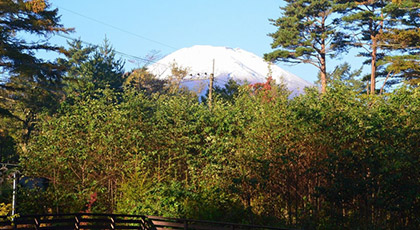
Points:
164	223
76	221
115	221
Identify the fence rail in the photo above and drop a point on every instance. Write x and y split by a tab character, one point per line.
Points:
115	221
77	221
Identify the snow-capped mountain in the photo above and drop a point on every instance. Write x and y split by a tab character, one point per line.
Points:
230	63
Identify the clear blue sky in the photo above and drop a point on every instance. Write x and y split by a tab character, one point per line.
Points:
137	27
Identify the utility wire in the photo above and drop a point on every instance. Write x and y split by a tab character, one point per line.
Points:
143	59
117	28
138	58
116	51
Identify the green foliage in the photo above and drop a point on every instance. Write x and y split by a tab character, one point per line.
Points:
90	68
34	200
402	64
142	80
228	92
75	170
342	160
343	73
7	148
17	55
5	185
5	209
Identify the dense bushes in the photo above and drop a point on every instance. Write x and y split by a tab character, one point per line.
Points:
337	161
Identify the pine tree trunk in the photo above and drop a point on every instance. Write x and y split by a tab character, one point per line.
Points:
373	65
323	77
323	68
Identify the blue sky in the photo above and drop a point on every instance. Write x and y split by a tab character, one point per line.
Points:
138	27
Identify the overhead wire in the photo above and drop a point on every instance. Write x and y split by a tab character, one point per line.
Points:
122	30
117	28
136	57
128	32
116	51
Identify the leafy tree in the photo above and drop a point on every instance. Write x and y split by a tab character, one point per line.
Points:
226	92
7	148
143	80
89	144
306	34
17	55
178	74
365	21
341	161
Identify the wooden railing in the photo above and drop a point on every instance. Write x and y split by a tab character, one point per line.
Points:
114	221
77	221
164	223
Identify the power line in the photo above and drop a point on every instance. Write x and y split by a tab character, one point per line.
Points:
117	28
146	60
139	58
116	51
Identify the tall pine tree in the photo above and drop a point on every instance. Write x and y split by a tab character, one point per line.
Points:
28	84
306	34
379	26
403	43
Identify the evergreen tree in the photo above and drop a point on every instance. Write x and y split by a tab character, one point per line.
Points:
227	92
306	34
17	56
364	21
28	84
90	68
383	25
404	43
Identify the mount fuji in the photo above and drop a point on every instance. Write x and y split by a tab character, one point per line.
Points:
229	63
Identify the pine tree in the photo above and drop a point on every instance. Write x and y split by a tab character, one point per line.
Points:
306	34
28	84
403	42
364	22
379	27
89	68
17	56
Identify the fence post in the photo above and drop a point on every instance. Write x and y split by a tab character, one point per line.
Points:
185	225
112	223
77	221
36	223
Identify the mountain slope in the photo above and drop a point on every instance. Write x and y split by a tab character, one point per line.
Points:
236	64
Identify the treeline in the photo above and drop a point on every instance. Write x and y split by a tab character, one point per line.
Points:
343	160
